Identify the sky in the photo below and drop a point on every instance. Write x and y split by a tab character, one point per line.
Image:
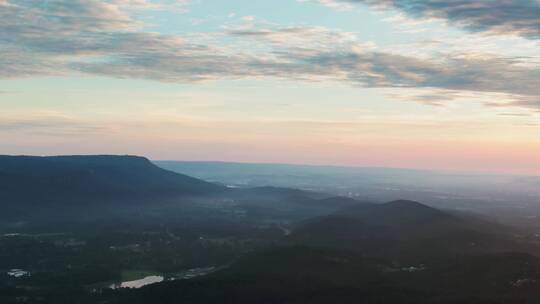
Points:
432	84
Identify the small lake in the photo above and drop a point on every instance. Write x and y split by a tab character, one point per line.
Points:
138	283
150	278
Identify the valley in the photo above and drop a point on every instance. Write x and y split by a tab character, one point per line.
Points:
138	241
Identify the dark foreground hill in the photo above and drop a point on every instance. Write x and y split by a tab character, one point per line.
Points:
398	252
312	275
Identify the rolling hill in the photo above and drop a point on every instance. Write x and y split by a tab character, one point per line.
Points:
405	231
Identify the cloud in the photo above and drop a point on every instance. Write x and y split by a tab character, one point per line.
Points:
36	35
50	124
436	98
515	114
338	5
102	38
337	61
497	17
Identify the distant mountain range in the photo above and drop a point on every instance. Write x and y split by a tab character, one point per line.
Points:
482	193
95	184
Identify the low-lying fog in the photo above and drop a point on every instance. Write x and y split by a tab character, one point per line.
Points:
511	198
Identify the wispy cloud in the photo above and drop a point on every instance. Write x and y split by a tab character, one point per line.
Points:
515	114
339	5
498	17
50	124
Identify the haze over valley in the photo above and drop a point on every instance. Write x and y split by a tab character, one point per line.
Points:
121	229
269	152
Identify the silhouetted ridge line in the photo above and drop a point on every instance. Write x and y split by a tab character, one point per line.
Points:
58	178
